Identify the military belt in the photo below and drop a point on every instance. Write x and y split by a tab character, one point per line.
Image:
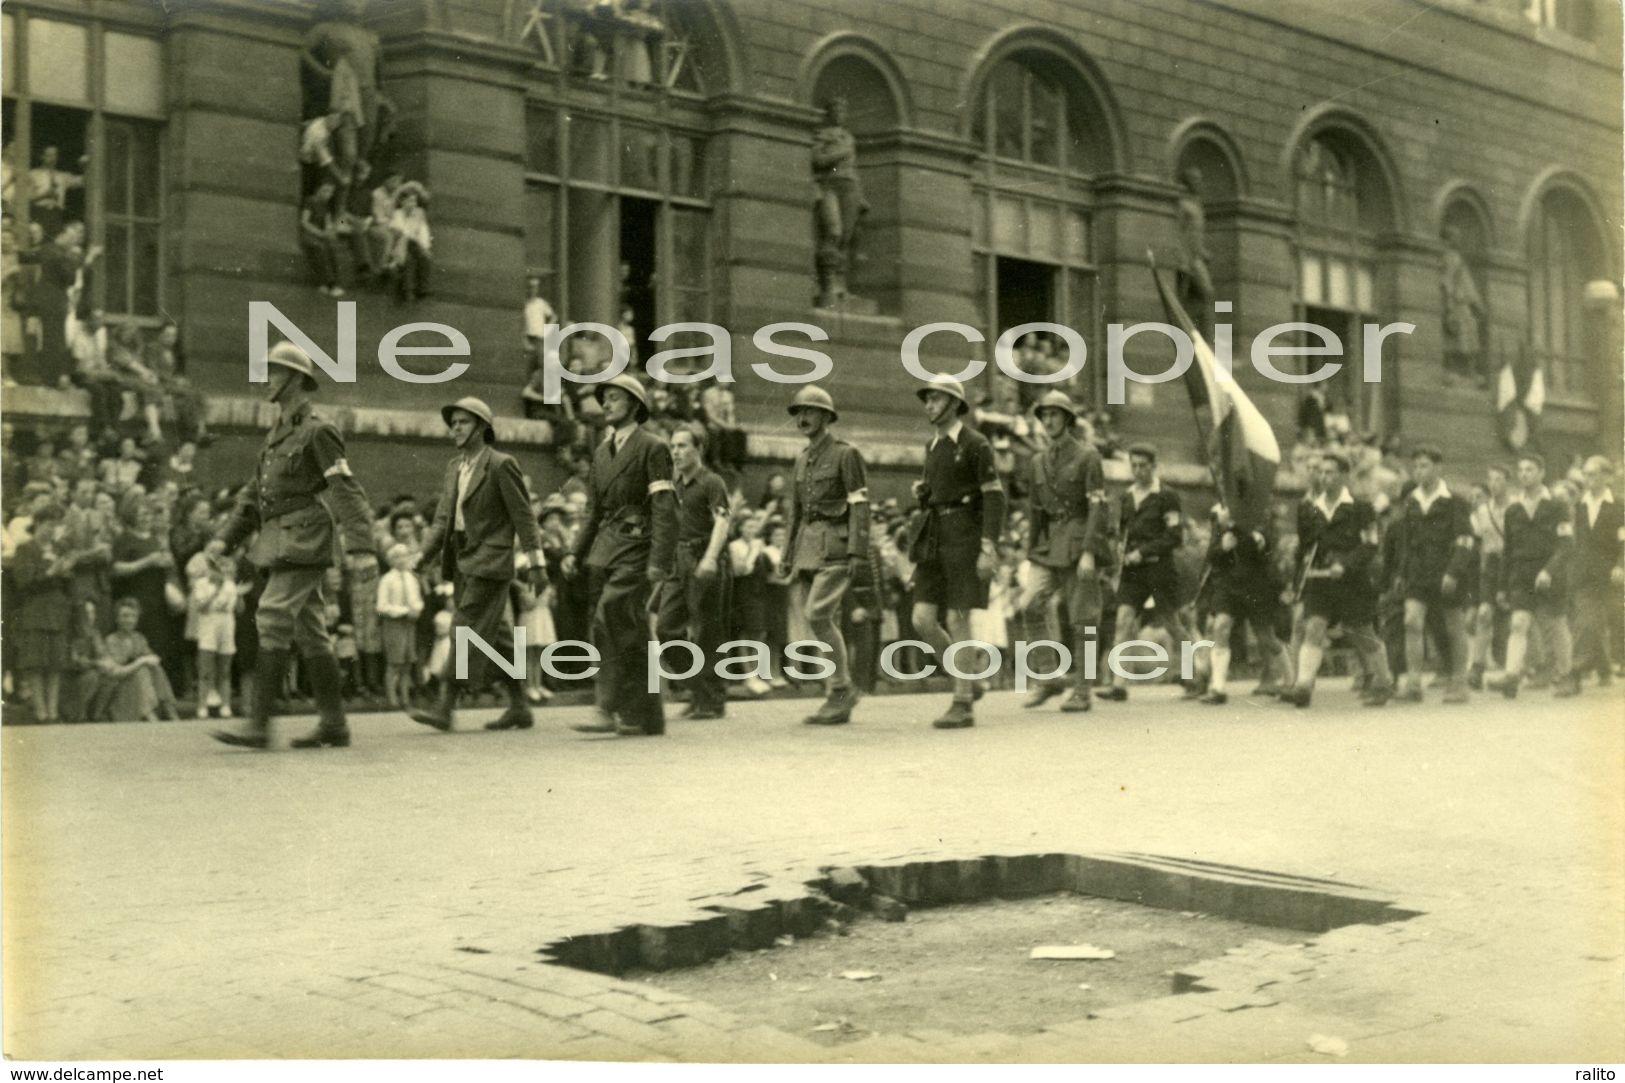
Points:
275	509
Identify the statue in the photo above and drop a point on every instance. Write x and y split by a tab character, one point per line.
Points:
838	208
1463	307
1193	280
343	59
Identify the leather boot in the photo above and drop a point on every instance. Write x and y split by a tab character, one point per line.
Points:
441	714
1043	693
1078	701
959	716
270	668
517	716
837	709
327	686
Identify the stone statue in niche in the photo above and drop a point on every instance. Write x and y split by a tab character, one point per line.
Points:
838	207
1193	280
342	61
1462	307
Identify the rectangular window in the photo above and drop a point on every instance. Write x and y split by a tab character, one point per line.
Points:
59	61
130	205
589	150
688	176
542	141
640	158
541	238
133	79
1309	279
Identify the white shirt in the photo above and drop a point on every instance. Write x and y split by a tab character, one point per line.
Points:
1329	510
465	476
1138	495
1427	500
538	314
1594	505
618	437
952	434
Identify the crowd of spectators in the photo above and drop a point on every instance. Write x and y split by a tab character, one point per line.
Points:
120	615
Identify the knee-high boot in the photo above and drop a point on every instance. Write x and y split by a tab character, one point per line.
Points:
270	669
327	686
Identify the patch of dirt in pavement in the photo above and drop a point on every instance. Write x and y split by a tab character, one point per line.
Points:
962	969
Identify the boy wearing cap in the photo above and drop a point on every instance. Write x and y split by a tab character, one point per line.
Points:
1067	543
483	507
302	461
828	532
626	545
955	548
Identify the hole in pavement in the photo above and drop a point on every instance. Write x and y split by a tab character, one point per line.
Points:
947	942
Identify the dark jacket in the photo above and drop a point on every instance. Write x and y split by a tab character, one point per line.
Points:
496	510
1349	538
1542	542
1437	541
1155	528
631	508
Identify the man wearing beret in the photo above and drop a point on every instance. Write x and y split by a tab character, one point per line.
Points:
302	460
483	508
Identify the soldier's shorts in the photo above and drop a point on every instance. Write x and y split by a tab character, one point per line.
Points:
948	580
1339	602
1522	595
1431	594
1254	603
1141	583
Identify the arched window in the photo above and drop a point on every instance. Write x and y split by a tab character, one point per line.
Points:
617	215
1043	136
1565	253
1343	205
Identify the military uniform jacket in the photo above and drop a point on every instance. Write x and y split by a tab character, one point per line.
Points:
303	457
1536	542
496	510
1437	540
631	509
828	517
1154	528
1068	505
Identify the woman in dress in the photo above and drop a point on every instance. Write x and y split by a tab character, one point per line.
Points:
143	567
40	623
136	688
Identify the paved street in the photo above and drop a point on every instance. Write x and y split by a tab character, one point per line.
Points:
167	897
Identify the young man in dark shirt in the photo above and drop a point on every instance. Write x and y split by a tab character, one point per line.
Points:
1438	553
1337	587
1534	578
1153	528
954	551
1599	530
692	603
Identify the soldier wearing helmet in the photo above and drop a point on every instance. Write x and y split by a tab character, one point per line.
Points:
302	460
1068	542
483	509
828	530
954	547
626	544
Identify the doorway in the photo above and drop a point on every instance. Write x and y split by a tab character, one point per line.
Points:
639	272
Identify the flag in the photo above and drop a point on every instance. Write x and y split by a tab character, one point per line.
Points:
1520	396
1240	445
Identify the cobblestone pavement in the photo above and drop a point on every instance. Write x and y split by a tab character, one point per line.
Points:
166	897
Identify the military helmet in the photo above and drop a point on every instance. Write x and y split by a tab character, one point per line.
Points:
632	387
289	356
948	385
815	397
1056	400
477	407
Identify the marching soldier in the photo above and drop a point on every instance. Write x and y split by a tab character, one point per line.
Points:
483	508
626	545
1534	578
828	531
1337	588
1068	542
693	603
1438	560
1153	528
303	457
1599	569
954	547
1489	524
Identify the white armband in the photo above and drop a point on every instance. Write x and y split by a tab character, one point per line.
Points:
992	487
660	487
858	496
340	468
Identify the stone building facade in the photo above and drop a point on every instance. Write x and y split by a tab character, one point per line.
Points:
1019	160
